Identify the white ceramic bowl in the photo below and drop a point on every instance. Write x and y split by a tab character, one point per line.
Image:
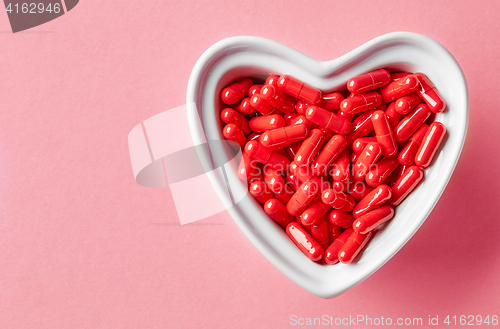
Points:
238	57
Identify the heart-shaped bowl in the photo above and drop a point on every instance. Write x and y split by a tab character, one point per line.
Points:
238	57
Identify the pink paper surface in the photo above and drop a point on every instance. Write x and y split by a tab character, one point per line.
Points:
83	246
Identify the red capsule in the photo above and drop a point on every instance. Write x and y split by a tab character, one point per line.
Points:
332	252
245	107
338	200
369	81
381	171
406	184
407	154
304	196
328	120
407	103
293	181
429	94
353	157
255	89
231	132
301	107
410	123
341	218
348	116
430	144
328	154
272	80
340	186
258	103
278	99
369	156
265	155
248	169
228	115
259	191
399	75
359	144
399	88
392	115
373	219
277	211
236	91
361	126
273	179
372	200
333	230
385	136
285	194
292	149
300	90
319	232
331	102
312	214
280	137
306	243
266	122
303	173
340	167
253	137
359	190
310	147
361	102
354	244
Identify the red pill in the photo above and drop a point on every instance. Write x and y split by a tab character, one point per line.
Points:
231	132
301	107
407	103
331	101
292	149
312	214
303	173
306	243
273	179
285	194
304	196
354	244
410	123
236	91
399	75
361	102
353	157
258	103
266	122
340	167
245	107
407	154
300	90
265	155
253	137
280	137
348	116
277	211
372	200
228	115
328	154
310	148
277	99
361	126
392	115
319	232
359	144
332	252
341	218
338	200
272	80
333	230
430	144
289	117
359	190
381	171
247	169
340	186
255	89
369	81
369	156
429	94
293	181
373	219
399	88
259	191
406	184
328	120
385	136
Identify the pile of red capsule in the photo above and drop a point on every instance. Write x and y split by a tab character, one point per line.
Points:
330	168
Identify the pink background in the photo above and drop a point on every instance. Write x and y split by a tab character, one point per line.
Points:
80	243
